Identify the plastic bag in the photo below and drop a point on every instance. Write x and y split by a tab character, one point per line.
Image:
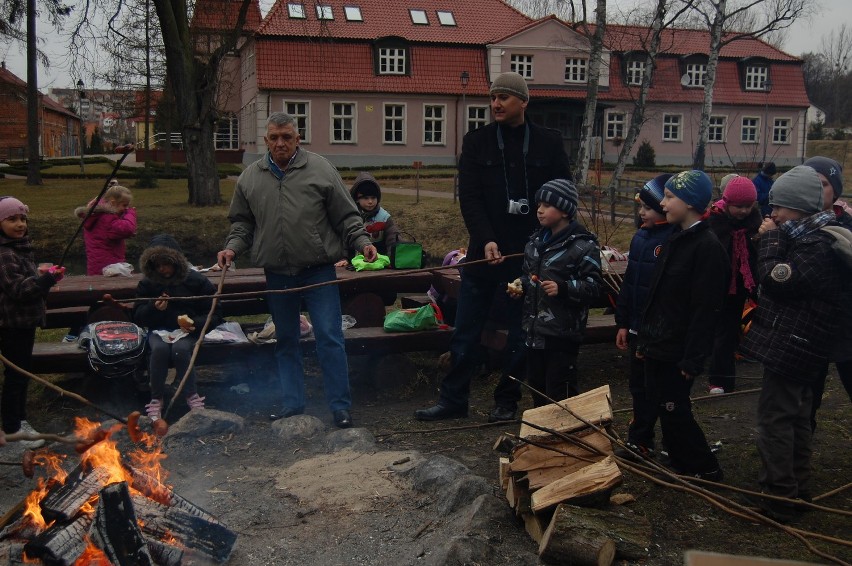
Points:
226	333
114	269
410	320
360	264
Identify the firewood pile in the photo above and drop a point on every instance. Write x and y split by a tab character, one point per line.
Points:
559	478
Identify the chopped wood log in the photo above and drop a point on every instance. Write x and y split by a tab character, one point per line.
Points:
504	473
534	526
529	457
64	501
165	554
630	531
21	529
593	406
12	553
62	543
115	530
588	486
567	540
156	490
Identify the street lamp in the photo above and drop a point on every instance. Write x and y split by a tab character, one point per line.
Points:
767	87
464	78
81	94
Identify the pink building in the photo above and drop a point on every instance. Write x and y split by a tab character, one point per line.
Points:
383	83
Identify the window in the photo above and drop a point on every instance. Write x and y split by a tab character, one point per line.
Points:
419	17
342	122
635	72
247	63
391	61
716	129
477	116
749	131
353	13
521	64
296	10
446	18
671	127
324	12
394	130
575	70
781	131
615	122
433	124
756	77
227	133
299	111
696	73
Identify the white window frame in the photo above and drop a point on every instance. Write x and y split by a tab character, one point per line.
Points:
669	122
697	73
446	18
324	12
478	120
352	118
353	14
786	128
756	77
385	118
521	64
635	72
720	127
296	10
576	70
392	59
418	17
431	120
615	124
231	139
305	117
755	127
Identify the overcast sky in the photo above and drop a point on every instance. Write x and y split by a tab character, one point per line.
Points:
802	37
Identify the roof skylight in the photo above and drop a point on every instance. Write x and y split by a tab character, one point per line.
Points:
419	17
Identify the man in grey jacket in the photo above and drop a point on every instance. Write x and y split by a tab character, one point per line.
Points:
291	209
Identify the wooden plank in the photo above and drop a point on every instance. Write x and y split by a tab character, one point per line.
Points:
528	457
702	558
503	474
593	406
594	480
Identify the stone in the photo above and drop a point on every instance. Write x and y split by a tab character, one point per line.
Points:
437	473
298	427
357	439
461	492
205	422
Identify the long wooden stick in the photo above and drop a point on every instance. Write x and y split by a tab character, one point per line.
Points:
705	398
833	492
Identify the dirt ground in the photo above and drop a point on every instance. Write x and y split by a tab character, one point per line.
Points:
295	503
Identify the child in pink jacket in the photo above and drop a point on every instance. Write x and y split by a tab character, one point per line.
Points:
104	232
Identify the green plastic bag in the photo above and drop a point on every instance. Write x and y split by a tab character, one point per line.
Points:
426	317
382	261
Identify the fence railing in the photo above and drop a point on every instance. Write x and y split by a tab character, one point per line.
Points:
614	202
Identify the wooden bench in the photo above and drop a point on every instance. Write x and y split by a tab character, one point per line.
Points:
60	357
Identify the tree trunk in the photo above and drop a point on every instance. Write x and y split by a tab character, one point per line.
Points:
33	101
592	92
709	82
201	164
567	540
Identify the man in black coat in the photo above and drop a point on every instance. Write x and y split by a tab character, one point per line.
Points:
502	165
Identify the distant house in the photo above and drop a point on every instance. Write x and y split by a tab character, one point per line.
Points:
378	83
58	127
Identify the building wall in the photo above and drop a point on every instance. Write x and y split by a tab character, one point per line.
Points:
13	123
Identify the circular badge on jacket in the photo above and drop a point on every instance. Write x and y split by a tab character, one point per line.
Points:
657	250
781	272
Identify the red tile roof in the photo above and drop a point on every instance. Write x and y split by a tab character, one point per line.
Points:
51	104
222	15
8	77
338	67
476	22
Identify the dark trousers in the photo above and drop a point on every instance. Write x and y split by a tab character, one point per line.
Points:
164	354
16	344
645	404
844	371
474	305
684	439
723	370
784	435
553	371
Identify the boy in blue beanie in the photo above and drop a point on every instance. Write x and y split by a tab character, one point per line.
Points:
678	325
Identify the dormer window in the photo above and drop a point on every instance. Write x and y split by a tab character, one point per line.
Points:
695	73
446	18
635	70
324	12
391	56
419	17
353	13
756	77
296	10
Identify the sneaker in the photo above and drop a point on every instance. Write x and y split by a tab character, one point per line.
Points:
716	390
715	475
68	338
195	402
153	409
27	428
629	452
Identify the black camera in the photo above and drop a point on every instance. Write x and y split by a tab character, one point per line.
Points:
520	206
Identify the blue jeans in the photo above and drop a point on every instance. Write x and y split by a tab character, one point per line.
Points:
324	308
476	295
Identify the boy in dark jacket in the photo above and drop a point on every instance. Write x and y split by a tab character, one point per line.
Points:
168	274
644	250
378	222
793	331
676	333
562	274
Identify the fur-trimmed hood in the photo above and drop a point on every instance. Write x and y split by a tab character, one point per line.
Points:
154	255
103	207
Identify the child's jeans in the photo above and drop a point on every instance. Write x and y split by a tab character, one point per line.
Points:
163	354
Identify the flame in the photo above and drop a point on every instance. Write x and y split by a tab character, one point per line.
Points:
92	556
32	509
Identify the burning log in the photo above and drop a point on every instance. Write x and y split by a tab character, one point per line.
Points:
62	543
165	554
12	553
63	502
151	487
115	530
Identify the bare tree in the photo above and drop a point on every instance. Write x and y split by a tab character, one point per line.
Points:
718	16
595	60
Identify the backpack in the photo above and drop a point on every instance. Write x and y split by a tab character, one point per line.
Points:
115	348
